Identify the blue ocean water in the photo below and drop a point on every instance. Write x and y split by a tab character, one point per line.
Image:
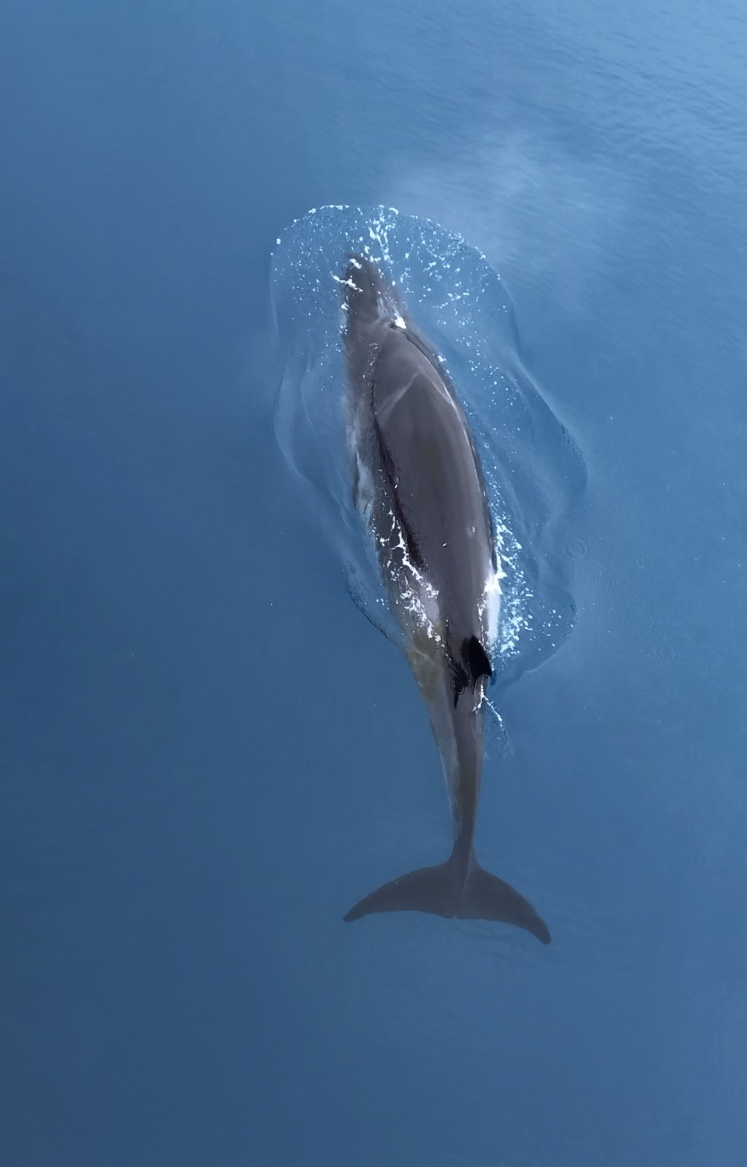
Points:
208	754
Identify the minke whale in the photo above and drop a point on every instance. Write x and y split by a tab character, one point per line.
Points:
418	482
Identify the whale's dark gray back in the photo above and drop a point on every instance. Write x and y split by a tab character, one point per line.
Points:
422	442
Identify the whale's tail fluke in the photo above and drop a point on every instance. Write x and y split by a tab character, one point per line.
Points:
447	891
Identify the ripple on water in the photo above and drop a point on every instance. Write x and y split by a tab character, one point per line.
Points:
533	469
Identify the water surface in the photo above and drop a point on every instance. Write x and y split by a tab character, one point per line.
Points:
207	753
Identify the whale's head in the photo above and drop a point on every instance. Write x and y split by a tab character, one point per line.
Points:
368	297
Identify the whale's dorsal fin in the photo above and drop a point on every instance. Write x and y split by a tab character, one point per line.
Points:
476	660
475	663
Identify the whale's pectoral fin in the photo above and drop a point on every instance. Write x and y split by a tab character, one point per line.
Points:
443	891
